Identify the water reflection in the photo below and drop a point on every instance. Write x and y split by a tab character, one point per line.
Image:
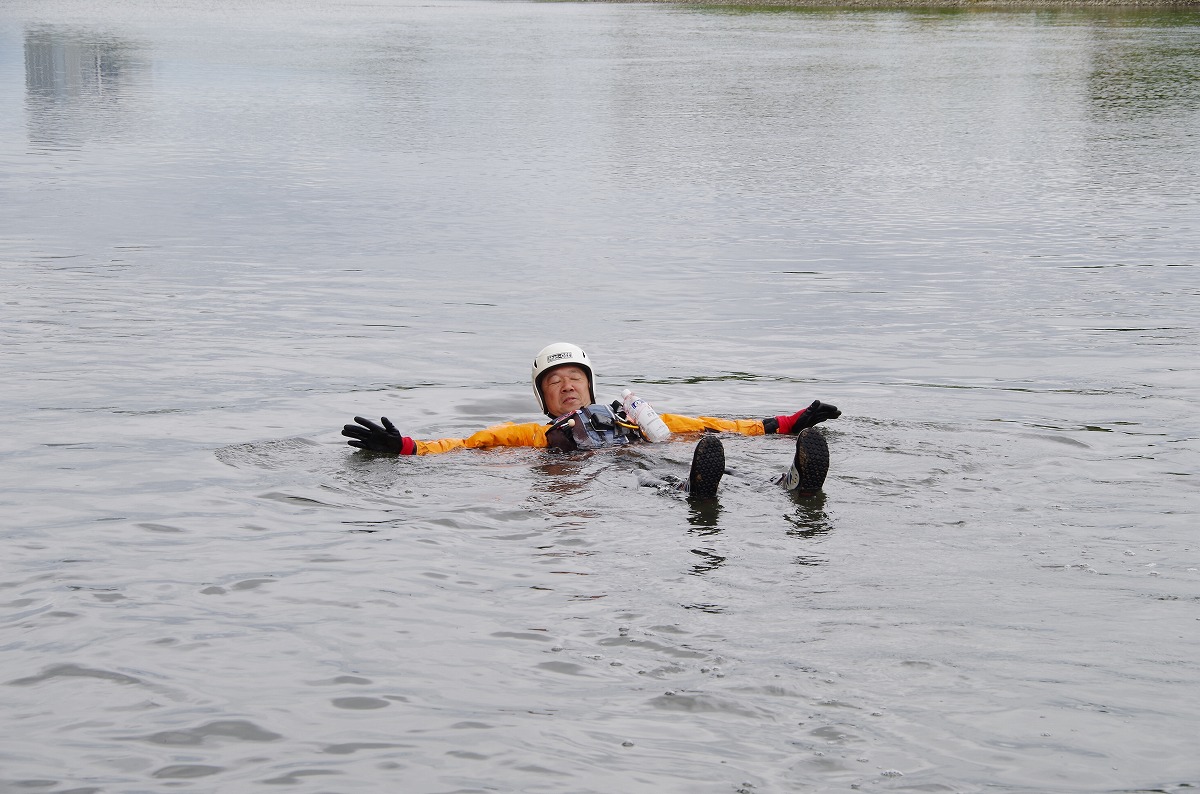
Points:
561	485
1138	74
810	522
710	561
560	474
74	81
703	515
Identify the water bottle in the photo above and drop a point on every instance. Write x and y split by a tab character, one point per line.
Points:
647	419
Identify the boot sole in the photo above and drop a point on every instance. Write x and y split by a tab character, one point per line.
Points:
708	465
810	465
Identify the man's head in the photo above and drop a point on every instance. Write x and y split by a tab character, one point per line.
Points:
562	379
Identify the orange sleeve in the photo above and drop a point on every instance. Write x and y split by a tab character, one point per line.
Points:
529	434
688	424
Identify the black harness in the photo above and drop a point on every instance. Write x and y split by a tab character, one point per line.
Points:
591	427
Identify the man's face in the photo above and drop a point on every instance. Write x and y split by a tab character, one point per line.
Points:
565	389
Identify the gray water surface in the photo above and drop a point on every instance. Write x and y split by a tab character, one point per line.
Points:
227	228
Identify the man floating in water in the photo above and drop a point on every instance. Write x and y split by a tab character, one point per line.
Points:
564	385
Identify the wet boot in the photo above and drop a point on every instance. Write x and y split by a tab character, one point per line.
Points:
810	464
708	464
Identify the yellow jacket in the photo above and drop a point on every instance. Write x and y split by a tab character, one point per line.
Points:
533	434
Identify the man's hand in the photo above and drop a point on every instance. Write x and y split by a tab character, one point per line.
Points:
814	414
374	438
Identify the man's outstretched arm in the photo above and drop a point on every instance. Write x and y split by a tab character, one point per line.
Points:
790	424
367	435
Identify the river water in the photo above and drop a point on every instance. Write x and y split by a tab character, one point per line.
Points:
227	228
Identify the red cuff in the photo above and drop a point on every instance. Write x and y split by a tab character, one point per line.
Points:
786	423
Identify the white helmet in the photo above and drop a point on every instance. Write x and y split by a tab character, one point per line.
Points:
556	355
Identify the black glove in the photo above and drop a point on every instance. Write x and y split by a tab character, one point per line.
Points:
814	414
379	439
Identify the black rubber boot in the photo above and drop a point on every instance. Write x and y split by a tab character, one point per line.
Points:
810	464
708	464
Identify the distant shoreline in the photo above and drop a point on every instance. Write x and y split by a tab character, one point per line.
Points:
939	5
